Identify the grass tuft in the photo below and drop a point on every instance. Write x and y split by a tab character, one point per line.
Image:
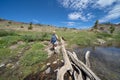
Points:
35	55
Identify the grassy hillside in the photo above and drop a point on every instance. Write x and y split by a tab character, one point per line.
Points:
22	51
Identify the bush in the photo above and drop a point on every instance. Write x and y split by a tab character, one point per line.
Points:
9	22
36	37
28	38
30	26
7	33
21	26
103	35
45	36
112	29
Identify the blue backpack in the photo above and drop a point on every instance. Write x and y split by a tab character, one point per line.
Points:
53	39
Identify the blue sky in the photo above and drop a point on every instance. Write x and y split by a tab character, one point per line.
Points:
65	13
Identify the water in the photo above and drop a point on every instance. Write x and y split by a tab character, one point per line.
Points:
105	61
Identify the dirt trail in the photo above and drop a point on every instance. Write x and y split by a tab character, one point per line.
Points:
49	50
52	64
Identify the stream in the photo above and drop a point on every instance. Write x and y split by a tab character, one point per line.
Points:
105	61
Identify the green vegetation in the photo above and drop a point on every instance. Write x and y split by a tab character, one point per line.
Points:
117	37
4	54
28	44
103	35
96	24
7	33
32	58
30	26
36	37
81	38
9	22
35	55
8	41
112	29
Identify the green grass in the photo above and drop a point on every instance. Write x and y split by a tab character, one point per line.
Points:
35	37
117	36
7	32
81	38
32	58
35	55
7	41
103	35
4	54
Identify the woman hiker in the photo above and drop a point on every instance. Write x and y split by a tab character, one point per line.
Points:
53	40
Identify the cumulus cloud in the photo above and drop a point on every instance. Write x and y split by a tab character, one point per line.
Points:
35	21
75	4
114	13
84	4
79	16
110	8
104	3
78	6
74	16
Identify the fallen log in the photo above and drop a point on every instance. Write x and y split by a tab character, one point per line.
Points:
75	67
87	62
83	67
67	64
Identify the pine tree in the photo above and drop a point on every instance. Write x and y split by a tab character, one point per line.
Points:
96	24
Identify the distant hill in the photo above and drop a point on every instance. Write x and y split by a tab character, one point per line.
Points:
10	24
105	27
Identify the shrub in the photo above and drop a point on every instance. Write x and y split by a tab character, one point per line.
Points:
9	22
112	29
21	26
36	37
103	35
7	32
30	26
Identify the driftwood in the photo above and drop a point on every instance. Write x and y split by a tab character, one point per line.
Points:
87	62
77	69
67	64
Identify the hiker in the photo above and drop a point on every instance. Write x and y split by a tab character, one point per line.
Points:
53	40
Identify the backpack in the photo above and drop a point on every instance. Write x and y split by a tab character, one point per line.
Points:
53	39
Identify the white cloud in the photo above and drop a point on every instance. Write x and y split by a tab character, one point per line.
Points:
90	16
110	9
76	16
78	6
105	3
35	21
114	13
75	4
70	23
79	16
